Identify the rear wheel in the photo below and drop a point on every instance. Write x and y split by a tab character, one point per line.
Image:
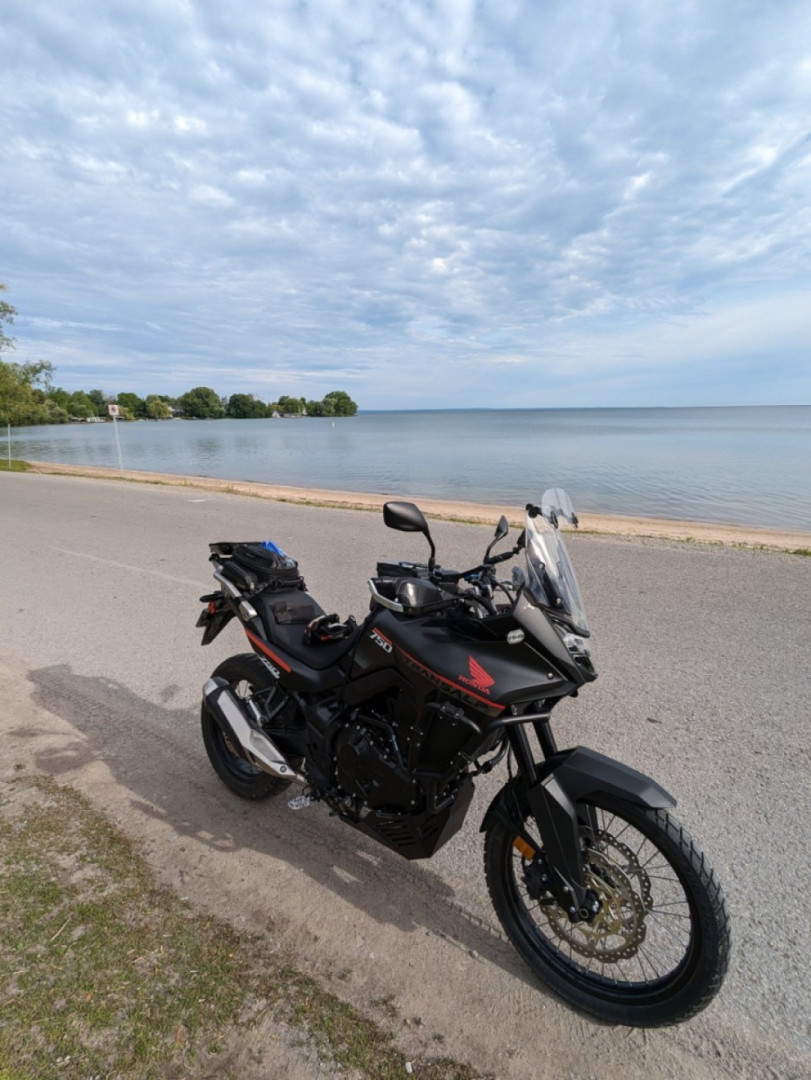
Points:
657	950
248	678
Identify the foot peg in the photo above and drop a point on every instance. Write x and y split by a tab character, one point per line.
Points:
301	801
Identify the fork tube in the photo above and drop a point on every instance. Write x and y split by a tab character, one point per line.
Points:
556	819
543	729
519	742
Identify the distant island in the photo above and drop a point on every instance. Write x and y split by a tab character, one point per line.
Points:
27	396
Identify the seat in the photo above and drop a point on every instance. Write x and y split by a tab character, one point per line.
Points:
287	615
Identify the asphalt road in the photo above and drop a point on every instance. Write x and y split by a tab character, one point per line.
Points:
703	655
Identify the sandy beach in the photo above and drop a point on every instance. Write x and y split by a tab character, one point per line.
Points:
449	510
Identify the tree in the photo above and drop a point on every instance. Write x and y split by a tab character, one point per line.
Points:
340	403
290	406
7	313
15	395
99	400
132	405
201	402
25	395
157	408
49	413
80	405
246	406
60	397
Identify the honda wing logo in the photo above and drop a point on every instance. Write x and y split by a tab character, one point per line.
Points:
478	677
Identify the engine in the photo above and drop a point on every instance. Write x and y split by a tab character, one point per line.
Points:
413	817
368	766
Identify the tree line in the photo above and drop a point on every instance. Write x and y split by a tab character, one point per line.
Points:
28	396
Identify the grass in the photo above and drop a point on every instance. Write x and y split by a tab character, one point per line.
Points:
13	466
104	973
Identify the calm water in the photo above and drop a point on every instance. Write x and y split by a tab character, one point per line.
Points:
747	466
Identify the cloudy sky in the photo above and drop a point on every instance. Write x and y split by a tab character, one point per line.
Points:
548	203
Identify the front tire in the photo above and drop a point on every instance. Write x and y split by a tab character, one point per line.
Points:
657	952
248	678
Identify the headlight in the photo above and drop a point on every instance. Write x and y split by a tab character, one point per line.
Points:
579	649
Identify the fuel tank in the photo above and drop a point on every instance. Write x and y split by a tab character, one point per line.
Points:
466	659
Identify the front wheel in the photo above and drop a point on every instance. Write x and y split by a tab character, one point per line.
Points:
657	950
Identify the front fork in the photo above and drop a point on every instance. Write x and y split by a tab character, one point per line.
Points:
556	818
557	791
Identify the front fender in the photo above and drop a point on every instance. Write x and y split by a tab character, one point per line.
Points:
581	773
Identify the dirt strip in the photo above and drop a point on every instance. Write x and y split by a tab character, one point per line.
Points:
449	510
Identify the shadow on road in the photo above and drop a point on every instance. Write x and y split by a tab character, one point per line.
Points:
156	753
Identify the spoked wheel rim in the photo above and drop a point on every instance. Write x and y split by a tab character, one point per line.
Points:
644	940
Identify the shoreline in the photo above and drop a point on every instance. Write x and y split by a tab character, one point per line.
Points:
793	541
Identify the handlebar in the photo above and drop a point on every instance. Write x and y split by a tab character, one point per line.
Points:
502	557
451	577
481	579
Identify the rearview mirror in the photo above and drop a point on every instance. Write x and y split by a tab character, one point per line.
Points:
406	517
502	529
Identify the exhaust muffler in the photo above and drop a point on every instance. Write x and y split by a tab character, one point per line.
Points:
251	743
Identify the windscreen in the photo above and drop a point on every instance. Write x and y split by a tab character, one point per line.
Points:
550	575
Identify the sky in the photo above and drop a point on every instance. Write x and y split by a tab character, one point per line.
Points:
568	203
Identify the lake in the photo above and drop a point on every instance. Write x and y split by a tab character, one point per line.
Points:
743	465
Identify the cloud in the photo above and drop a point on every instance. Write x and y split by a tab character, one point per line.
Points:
299	194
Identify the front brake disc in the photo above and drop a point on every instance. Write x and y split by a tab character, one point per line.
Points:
624	858
618	929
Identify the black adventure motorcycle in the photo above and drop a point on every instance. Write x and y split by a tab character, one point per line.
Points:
600	890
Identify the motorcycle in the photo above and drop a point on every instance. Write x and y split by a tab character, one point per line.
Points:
389	721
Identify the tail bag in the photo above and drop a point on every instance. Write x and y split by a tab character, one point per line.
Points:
266	562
